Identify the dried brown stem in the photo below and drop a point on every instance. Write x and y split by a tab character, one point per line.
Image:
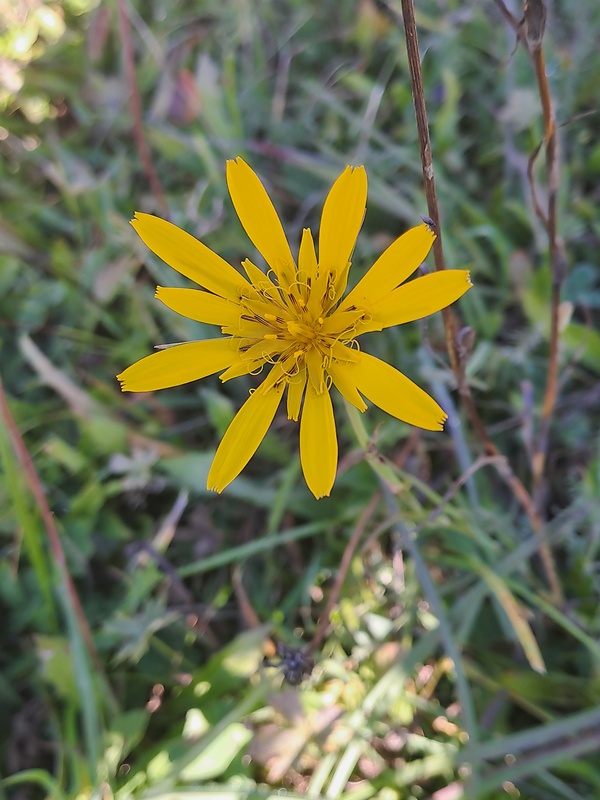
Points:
451	325
249	615
534	25
37	491
530	33
340	577
136	111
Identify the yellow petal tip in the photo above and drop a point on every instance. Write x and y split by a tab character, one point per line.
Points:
123	383
238	161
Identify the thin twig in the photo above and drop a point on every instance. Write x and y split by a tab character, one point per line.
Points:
451	325
516	24
136	111
535	20
340	577
530	33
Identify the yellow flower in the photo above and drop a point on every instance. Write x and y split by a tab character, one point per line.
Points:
293	320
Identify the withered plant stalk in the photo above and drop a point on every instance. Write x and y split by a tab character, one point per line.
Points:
136	111
451	324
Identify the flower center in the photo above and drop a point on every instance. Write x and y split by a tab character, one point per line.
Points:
301	331
295	326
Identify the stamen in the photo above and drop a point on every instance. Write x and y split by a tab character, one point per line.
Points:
273	278
295	303
300	299
272	295
262	320
292	371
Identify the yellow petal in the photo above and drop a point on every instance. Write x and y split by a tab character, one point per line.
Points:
179	364
395	393
340	322
241	368
265	349
319	299
343	381
318	443
188	256
201	306
340	284
392	268
421	297
344	353
243	436
342	218
294	395
276	376
316	374
245	329
257	276
307	257
259	219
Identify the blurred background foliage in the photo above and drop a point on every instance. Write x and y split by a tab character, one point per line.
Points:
182	589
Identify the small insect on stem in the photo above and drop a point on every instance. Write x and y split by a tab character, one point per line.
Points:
429	222
294	663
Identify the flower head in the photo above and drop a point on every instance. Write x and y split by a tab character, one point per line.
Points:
294	324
